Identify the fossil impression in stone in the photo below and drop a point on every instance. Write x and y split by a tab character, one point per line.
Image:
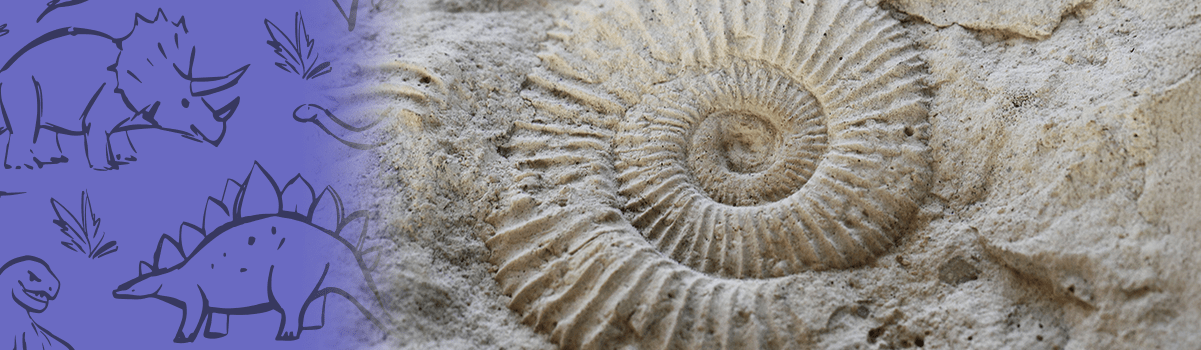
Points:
687	156
414	89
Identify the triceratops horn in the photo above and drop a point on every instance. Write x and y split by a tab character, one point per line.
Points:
211	85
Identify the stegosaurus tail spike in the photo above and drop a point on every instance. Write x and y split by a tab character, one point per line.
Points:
232	187
260	194
353	229
298	196
145	268
168	254
216	213
327	210
366	255
190	236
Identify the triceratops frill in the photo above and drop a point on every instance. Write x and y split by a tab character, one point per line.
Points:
83	82
241	260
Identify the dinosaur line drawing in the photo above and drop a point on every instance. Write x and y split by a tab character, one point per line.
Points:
32	286
341	131
145	79
57	4
241	260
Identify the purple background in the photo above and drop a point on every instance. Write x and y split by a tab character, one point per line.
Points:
173	176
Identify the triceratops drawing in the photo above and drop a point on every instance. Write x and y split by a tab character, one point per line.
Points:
82	82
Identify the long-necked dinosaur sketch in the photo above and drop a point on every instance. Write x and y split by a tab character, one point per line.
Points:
83	82
346	133
253	253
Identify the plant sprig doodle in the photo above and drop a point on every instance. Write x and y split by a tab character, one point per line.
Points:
299	56
82	231
351	18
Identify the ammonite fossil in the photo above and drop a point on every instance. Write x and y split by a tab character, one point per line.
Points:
688	156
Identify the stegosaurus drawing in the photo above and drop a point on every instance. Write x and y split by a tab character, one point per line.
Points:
257	251
83	82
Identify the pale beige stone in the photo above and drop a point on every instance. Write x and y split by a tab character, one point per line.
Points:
1063	169
686	158
1030	18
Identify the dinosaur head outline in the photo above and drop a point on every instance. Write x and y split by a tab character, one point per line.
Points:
150	277
146	285
155	79
32	283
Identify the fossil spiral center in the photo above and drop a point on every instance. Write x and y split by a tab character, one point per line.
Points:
708	155
686	157
745	143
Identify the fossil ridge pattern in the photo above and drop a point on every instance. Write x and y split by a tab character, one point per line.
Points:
688	156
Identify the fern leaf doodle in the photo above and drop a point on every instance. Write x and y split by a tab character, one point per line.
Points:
299	56
84	236
350	17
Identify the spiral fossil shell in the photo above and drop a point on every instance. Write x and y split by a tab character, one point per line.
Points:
688	156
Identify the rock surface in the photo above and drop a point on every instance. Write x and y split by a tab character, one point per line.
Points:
1064	147
1034	19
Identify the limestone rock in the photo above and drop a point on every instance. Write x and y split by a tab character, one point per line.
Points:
1029	18
546	157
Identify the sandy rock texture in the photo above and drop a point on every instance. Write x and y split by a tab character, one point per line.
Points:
1032	19
1062	210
